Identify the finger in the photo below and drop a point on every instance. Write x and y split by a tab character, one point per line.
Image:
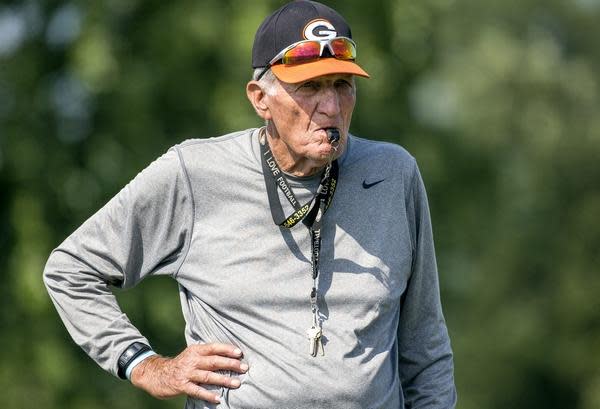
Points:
213	378
198	392
217	363
218	349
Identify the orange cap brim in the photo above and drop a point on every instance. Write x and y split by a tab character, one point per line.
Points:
301	72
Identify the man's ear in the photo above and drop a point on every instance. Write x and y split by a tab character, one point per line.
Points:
257	96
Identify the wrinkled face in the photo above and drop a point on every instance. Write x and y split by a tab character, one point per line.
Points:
301	113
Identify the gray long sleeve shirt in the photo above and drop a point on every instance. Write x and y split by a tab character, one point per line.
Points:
200	214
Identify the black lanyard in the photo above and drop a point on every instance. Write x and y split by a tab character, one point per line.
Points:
310	214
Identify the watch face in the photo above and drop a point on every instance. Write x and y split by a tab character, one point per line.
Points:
133	351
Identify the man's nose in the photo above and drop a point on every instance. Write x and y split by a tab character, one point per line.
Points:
329	102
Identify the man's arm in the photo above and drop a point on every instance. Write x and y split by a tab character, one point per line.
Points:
425	356
144	230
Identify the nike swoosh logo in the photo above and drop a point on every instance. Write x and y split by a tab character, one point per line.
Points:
370	185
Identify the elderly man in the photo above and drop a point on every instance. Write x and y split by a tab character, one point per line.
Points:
303	254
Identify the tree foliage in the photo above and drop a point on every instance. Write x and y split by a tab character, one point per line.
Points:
498	101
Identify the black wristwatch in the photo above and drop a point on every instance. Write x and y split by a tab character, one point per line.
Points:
133	351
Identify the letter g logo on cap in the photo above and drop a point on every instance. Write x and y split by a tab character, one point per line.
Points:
319	29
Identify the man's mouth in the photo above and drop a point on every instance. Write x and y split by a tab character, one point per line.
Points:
333	135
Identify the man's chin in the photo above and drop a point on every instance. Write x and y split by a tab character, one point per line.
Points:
332	151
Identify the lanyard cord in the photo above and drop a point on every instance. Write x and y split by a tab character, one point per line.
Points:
310	213
306	213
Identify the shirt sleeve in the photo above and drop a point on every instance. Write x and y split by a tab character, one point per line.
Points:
145	229
425	357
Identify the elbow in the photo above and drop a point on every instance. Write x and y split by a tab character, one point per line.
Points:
50	274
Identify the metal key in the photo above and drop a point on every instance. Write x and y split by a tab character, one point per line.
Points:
314	337
320	346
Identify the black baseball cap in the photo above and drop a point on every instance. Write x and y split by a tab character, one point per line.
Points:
296	21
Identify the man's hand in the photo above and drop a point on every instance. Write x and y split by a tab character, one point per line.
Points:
165	378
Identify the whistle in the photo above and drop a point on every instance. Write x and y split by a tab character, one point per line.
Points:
333	134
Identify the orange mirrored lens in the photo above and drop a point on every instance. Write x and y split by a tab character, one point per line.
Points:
343	49
306	51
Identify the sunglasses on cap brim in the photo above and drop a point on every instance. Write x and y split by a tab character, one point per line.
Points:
341	48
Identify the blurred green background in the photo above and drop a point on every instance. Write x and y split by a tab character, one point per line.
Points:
499	101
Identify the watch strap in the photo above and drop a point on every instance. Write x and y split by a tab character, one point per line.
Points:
129	355
138	360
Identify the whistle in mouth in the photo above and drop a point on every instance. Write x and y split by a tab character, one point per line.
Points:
333	134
